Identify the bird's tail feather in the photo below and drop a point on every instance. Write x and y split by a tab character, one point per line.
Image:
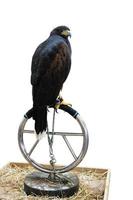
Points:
40	117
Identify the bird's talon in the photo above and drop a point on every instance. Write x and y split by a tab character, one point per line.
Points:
56	110
56	107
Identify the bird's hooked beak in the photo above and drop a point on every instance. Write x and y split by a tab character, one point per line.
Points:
66	33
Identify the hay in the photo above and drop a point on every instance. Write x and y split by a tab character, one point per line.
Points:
92	184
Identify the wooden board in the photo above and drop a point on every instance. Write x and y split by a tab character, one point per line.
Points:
94	183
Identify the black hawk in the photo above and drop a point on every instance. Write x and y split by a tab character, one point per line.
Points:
51	64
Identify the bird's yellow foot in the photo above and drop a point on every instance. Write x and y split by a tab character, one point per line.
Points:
60	101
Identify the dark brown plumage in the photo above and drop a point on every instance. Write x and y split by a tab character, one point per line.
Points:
50	67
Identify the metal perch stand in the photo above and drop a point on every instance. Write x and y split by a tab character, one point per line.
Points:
53	180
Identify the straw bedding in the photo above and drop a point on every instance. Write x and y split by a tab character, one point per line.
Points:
92	184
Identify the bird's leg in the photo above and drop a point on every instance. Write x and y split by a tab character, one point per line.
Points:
60	101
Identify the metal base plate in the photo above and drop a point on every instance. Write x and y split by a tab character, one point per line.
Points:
62	185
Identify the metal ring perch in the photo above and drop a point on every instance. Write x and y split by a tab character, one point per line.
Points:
77	159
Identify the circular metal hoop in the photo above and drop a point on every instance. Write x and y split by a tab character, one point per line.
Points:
77	160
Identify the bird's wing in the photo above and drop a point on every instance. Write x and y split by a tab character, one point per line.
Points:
51	58
37	65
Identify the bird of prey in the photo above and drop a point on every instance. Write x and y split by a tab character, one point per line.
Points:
51	64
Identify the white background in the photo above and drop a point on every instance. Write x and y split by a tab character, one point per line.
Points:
100	85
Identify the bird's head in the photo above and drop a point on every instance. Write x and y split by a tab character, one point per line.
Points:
62	31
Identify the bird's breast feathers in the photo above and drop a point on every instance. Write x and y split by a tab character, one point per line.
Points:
52	56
